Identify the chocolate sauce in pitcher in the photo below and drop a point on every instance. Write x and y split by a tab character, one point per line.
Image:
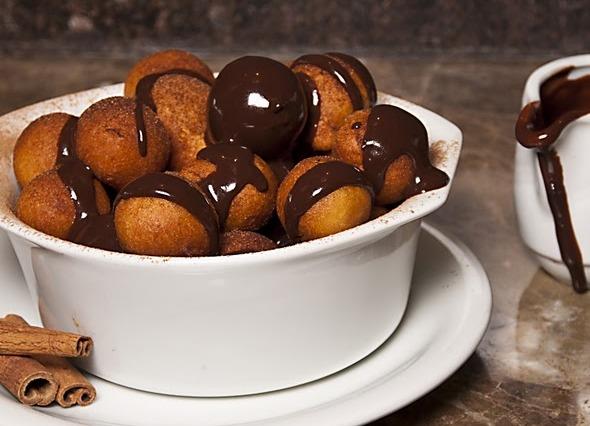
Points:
539	125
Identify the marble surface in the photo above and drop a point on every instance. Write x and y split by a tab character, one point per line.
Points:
531	367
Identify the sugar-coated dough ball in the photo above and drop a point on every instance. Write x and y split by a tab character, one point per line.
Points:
45	204
250	208
107	141
36	148
333	100
181	104
162	62
344	208
348	147
238	242
160	227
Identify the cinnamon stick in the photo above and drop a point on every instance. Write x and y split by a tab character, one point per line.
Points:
29	381
73	387
29	340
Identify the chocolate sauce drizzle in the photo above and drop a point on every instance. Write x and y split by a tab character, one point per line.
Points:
313	108
176	190
539	125
338	71
362	72
256	102
315	184
96	231
143	97
235	168
390	133
89	227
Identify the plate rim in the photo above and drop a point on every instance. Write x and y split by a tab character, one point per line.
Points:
374	404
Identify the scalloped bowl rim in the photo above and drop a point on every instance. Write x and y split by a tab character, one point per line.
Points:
411	209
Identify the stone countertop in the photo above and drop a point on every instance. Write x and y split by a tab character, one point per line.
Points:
532	366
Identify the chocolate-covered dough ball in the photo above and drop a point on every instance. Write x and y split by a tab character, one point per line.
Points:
181	105
322	196
335	84
107	139
349	142
36	148
162	214
46	204
238	242
165	62
257	102
240	184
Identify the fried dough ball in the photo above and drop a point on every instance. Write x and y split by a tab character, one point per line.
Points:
155	226
250	208
334	104
181	105
46	204
399	175
344	208
107	141
36	148
238	242
162	62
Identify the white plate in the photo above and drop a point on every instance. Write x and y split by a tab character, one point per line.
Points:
448	312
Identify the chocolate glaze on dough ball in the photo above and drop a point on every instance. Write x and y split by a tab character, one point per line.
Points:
335	84
107	140
257	102
162	214
240	184
36	149
166	62
238	242
181	105
47	203
322	196
391	146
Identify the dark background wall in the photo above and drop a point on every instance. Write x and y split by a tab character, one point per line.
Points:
405	27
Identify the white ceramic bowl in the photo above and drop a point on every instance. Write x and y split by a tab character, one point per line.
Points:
535	220
217	326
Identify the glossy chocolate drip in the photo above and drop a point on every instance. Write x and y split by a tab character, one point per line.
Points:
313	100
65	143
315	184
96	231
258	103
392	132
176	190
338	71
275	231
79	179
281	167
89	228
235	168
539	125
361	71
143	97
141	129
